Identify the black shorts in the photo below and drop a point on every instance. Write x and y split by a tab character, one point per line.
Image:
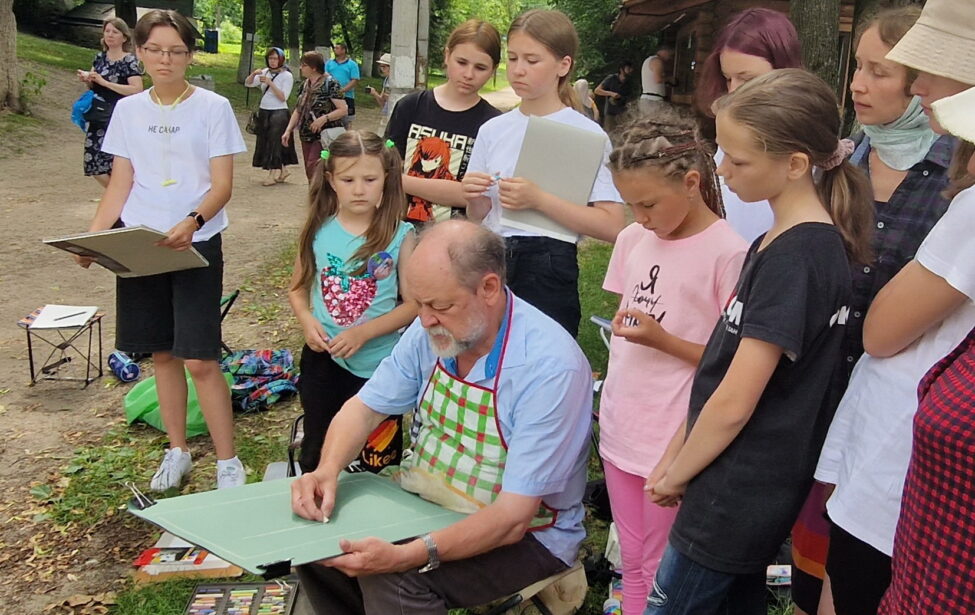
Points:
545	273
177	312
350	102
858	573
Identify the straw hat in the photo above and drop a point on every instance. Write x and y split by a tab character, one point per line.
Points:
385	59
955	114
942	42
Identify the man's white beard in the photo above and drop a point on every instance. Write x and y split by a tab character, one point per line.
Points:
446	346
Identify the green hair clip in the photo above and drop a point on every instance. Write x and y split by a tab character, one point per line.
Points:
390	144
325	154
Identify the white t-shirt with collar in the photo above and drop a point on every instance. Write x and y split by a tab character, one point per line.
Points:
868	448
176	144
284	81
499	143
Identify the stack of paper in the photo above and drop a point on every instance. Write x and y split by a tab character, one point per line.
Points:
63	316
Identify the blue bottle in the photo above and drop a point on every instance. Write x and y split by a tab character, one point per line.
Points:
125	369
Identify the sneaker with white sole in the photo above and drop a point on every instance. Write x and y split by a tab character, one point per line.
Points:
175	465
230	473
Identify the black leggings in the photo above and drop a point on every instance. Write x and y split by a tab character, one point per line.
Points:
545	273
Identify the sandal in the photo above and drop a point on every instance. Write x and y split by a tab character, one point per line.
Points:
284	175
270	181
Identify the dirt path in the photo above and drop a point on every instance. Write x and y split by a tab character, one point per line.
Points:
43	193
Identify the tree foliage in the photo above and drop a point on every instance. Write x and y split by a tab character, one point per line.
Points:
602	51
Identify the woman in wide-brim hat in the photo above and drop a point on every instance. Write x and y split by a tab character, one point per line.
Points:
934	546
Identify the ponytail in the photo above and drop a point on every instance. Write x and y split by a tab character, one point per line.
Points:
848	197
567	94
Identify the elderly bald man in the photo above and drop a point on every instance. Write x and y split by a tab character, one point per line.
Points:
481	358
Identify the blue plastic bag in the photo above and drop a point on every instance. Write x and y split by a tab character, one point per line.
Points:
80	107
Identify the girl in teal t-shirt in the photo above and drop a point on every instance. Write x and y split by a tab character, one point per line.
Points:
345	286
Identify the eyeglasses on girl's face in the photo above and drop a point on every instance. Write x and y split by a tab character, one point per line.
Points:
158	52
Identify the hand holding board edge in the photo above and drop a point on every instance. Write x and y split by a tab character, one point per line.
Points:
253	526
130	252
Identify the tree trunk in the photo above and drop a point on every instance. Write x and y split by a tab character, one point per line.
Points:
294	35
9	79
818	24
384	25
249	25
369	48
125	10
308	27
277	22
323	23
422	42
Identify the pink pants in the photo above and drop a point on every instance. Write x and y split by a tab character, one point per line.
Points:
643	528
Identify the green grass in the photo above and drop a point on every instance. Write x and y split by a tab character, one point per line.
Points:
18	133
54	53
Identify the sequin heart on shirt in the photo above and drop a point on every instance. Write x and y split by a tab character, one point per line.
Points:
346	297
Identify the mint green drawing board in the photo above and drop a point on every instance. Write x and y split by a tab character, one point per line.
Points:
253	526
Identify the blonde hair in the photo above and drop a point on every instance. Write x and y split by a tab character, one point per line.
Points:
479	33
323	202
120	25
554	30
793	111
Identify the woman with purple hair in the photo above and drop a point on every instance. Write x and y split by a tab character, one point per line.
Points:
751	44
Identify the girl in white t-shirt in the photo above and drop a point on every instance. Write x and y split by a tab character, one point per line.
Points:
276	82
675	267
541	270
174	149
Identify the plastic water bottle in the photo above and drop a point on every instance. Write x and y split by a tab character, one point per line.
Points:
612	606
125	369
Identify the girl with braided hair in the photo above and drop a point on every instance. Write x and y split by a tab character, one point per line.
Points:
675	268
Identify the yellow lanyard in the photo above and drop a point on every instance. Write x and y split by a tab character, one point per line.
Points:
166	111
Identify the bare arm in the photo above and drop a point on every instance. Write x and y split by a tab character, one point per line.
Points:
725	414
440	191
604	220
646	330
601	92
113	200
349	86
132	86
911	303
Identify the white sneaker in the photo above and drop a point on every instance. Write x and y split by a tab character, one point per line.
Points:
230	473
175	465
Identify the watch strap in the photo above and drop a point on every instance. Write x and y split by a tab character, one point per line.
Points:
198	218
433	556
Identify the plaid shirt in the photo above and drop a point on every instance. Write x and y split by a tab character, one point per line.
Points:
933	569
900	226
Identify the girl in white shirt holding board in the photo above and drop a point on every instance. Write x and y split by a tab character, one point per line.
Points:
541	270
173	172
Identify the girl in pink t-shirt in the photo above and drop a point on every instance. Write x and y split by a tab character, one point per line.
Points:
674	269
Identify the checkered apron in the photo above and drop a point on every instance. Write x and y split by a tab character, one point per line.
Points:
460	438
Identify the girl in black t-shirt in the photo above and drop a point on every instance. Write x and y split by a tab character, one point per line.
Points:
765	389
434	130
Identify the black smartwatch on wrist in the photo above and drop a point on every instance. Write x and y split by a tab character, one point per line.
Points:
198	218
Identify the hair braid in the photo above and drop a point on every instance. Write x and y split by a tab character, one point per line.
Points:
673	146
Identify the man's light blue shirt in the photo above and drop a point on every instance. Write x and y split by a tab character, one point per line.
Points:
544	403
343	72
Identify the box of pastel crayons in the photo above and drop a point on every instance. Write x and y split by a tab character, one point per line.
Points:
243	598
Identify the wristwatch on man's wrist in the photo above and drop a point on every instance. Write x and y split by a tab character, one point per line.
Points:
198	218
433	556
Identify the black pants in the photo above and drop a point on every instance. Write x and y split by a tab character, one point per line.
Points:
545	273
858	573
324	387
457	584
